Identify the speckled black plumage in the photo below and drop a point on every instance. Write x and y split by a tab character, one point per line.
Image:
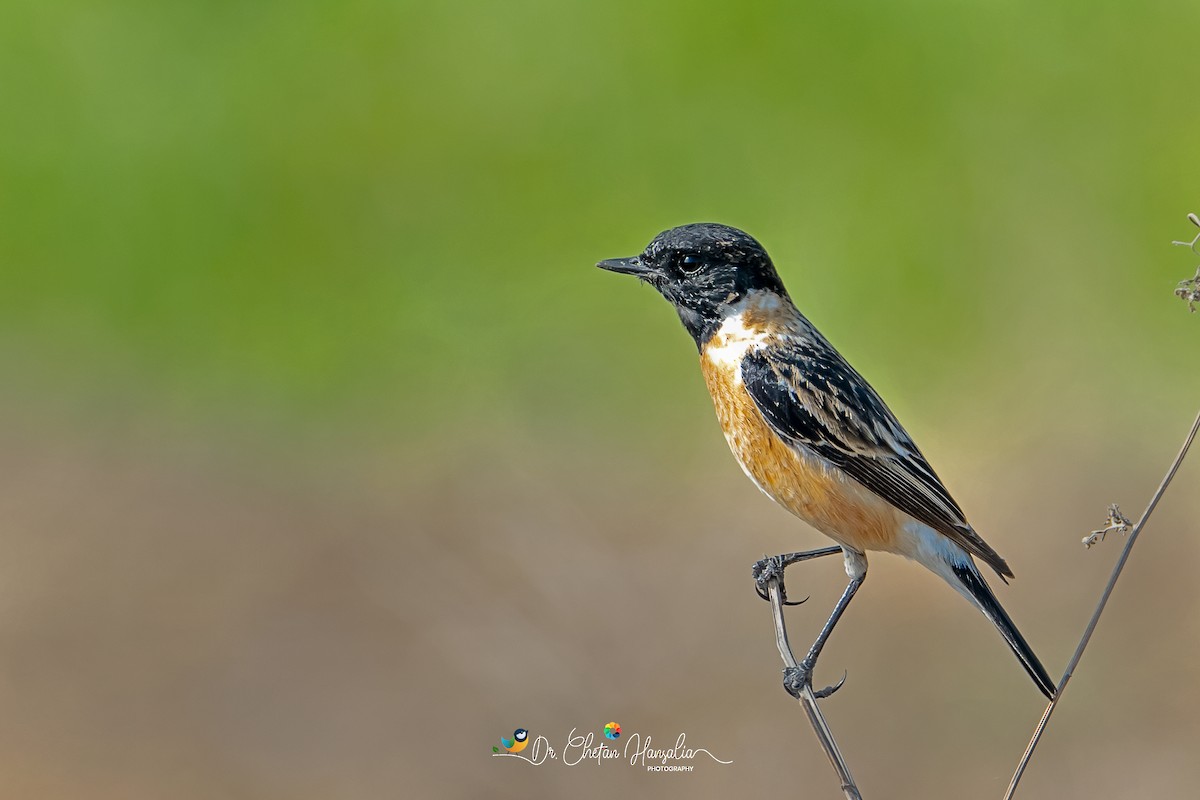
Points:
842	419
703	269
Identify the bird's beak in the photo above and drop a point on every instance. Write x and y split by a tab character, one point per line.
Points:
627	266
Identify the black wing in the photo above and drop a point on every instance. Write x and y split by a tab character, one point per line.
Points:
810	396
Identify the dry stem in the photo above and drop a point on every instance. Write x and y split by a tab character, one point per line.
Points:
1091	626
807	699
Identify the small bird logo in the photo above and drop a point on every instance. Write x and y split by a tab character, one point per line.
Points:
515	744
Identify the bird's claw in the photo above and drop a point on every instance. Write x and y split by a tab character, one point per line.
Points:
795	679
771	569
782	596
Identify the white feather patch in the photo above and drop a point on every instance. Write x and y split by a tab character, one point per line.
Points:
734	338
934	551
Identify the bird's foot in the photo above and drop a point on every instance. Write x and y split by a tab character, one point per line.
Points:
795	679
771	569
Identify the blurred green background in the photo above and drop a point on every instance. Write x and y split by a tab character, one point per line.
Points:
329	458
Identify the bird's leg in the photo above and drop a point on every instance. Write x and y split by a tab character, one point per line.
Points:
772	567
796	678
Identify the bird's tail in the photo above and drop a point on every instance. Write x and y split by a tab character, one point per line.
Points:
972	584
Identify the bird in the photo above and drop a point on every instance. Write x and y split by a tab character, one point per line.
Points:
810	432
518	742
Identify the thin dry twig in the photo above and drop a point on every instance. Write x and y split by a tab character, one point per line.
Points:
1116	523
1091	626
1195	220
1189	290
807	699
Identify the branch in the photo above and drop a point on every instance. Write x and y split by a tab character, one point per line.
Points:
1189	290
1091	626
1117	523
807	699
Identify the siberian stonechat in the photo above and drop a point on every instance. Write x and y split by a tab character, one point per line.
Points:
809	430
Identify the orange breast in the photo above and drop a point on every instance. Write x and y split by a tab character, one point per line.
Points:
814	491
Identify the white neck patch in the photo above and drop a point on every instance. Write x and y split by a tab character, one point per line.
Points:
735	338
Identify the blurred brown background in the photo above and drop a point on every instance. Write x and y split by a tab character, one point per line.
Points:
327	458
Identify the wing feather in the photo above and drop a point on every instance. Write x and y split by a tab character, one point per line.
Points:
812	398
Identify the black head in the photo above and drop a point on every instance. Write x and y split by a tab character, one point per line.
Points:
703	269
520	734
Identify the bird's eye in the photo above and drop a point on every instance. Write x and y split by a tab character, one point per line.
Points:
690	265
